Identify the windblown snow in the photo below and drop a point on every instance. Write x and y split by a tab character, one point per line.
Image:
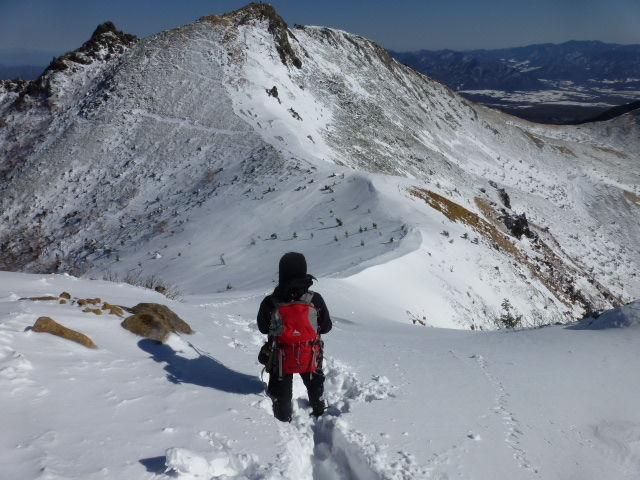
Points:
194	158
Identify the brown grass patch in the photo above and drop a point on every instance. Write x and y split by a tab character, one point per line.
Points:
490	228
539	143
563	149
612	151
457	213
631	196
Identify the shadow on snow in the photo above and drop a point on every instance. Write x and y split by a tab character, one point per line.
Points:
203	370
156	465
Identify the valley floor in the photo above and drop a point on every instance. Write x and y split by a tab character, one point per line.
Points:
407	401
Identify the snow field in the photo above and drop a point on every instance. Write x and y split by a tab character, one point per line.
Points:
406	401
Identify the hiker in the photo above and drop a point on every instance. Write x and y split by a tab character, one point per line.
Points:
290	314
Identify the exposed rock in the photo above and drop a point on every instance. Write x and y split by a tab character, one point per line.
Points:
154	321
38	299
517	225
48	325
277	27
97	311
113	309
89	301
65	295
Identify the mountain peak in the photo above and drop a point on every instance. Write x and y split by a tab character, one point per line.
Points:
257	12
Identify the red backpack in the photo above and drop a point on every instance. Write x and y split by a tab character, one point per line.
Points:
294	326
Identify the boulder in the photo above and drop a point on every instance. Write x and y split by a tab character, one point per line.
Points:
48	325
65	295
154	321
39	299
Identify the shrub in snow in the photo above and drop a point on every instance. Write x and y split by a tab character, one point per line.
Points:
152	282
508	318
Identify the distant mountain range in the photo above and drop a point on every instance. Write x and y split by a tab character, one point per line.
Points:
551	83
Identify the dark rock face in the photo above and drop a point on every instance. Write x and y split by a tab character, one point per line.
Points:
517	225
105	42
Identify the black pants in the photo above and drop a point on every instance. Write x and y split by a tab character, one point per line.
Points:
281	388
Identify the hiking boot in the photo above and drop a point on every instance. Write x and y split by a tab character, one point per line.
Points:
282	410
318	408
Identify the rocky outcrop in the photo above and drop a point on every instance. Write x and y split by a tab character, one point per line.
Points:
106	43
154	321
276	26
48	325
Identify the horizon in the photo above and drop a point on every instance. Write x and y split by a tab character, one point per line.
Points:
408	25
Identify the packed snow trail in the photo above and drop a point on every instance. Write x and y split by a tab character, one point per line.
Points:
316	449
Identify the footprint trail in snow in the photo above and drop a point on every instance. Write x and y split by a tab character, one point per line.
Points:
327	448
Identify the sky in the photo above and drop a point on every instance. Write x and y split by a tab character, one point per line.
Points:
32	31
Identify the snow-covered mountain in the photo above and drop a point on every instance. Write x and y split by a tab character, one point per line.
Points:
196	157
196	153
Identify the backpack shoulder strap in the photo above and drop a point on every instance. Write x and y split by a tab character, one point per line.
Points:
306	298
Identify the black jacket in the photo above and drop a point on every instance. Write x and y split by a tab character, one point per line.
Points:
286	293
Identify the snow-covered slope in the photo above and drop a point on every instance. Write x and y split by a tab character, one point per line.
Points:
407	402
176	156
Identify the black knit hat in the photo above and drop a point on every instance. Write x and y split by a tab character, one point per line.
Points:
292	266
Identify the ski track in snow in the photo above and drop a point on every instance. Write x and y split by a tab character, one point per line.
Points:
326	448
513	430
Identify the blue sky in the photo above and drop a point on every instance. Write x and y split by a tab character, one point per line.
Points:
39	29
